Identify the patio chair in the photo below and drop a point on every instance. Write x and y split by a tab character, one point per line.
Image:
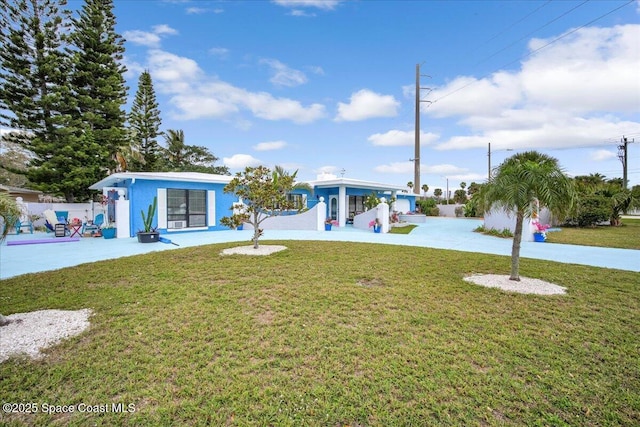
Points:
23	223
95	226
52	220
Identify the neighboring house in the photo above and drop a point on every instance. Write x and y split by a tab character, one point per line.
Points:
193	201
30	196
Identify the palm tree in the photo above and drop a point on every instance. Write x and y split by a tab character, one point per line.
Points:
280	172
410	185
521	183
425	188
9	214
437	192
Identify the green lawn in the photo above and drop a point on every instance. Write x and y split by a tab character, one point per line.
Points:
332	334
626	236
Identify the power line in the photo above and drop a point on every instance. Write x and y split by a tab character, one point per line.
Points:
532	52
514	24
533	32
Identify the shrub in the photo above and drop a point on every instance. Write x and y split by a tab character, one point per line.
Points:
590	211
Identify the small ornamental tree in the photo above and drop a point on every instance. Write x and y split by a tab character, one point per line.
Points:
264	194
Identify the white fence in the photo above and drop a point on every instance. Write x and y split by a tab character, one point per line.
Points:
499	219
83	211
313	219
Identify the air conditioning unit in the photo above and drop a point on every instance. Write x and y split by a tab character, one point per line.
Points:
176	224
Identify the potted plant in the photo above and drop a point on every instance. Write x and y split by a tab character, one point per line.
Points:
540	231
108	231
377	226
328	223
149	234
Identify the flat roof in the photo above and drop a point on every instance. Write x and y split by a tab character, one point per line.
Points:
119	177
356	183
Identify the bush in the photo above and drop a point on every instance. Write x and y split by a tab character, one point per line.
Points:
434	211
459	211
426	205
590	211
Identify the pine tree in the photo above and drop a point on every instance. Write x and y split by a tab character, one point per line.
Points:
34	89
144	123
98	81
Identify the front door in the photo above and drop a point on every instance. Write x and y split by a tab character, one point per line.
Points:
333	207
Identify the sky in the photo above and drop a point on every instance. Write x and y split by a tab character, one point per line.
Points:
328	86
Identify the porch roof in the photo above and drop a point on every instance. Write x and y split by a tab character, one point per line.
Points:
356	183
119	177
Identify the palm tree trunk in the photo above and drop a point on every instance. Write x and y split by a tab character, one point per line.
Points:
515	249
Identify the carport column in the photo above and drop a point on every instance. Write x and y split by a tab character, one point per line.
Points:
342	206
123	216
383	215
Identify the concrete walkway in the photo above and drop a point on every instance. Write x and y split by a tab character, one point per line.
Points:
440	233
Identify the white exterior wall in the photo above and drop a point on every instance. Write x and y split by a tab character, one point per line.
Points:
499	219
313	219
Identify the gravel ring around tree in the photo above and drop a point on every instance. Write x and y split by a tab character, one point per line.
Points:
249	250
29	333
526	285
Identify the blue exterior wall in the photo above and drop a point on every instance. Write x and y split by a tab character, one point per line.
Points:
141	194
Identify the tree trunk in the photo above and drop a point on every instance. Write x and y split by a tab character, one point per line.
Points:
515	249
256	230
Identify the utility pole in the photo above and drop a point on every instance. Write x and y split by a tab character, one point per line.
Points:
622	155
489	164
416	159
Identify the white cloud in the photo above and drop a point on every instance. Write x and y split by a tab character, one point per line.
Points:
398	138
196	95
316	70
167	67
164	29
143	38
600	155
270	145
298	12
282	75
407	168
149	39
443	169
196	10
319	4
221	52
580	90
366	104
396	167
201	10
241	161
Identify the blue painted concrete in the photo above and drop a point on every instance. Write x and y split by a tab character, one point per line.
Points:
440	233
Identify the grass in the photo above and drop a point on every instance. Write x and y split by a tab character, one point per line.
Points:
626	236
331	334
405	229
505	233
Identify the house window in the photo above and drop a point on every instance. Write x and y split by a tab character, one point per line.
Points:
356	205
186	208
297	201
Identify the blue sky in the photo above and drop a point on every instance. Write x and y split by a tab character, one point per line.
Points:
327	86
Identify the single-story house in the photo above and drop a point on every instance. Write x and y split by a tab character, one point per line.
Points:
193	201
31	196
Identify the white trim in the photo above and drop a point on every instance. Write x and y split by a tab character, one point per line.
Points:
162	207
186	229
211	208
